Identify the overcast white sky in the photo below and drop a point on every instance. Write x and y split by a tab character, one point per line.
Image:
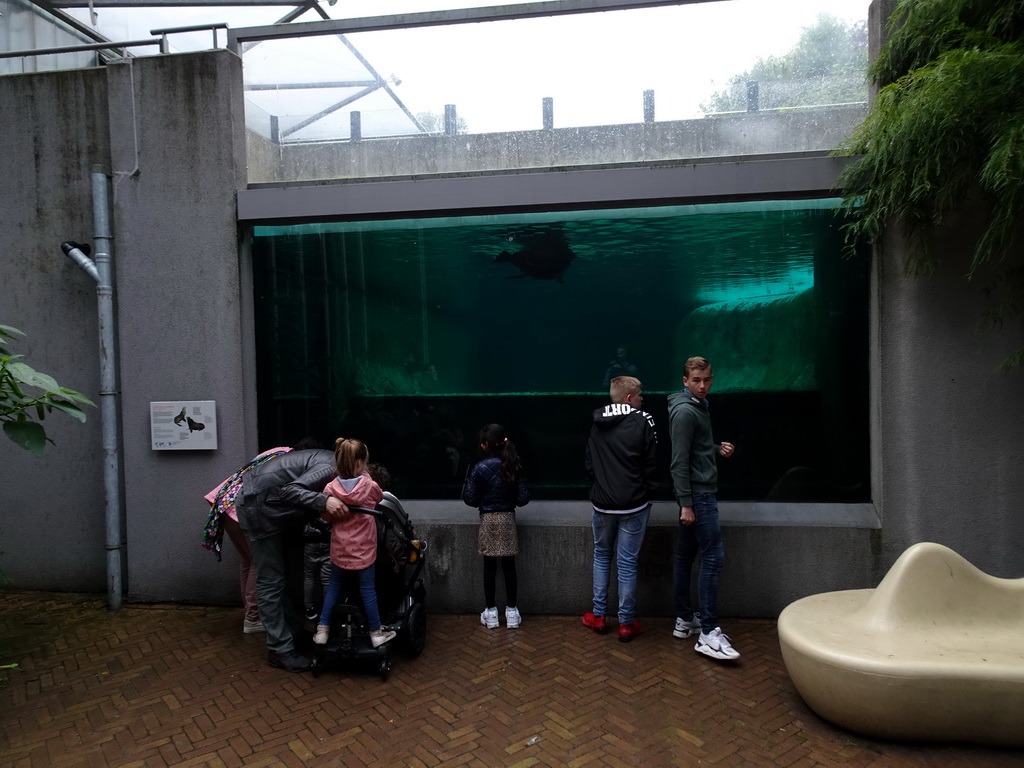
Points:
595	66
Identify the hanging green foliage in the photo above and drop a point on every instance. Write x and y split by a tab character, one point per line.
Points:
947	127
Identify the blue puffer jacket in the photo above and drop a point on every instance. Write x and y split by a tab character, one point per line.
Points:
487	490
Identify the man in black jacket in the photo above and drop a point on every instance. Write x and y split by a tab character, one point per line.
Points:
621	467
277	498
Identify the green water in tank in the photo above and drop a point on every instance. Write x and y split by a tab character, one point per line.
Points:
411	334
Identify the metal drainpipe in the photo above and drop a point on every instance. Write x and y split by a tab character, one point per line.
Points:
101	270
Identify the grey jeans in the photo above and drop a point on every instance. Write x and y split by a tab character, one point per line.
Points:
277	610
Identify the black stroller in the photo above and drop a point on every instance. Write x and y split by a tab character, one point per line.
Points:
400	597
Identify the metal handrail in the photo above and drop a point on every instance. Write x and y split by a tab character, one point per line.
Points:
165	48
78	48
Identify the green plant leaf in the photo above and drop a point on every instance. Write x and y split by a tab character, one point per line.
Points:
78	397
69	408
17	408
26	374
27	434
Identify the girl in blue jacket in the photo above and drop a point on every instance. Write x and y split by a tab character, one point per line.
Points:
495	486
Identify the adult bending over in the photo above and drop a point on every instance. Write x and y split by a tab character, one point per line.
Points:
277	498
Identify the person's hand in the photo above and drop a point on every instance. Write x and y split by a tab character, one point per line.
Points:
727	449
335	506
686	516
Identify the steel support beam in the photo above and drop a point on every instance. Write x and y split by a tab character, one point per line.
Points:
785	176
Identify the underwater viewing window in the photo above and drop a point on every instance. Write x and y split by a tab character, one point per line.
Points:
413	334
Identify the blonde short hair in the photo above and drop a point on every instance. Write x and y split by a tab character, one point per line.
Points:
622	386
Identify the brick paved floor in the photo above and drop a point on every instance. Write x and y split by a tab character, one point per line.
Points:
165	685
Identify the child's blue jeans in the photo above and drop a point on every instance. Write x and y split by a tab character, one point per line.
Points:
367	591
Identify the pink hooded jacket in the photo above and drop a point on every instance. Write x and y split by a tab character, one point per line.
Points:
354	535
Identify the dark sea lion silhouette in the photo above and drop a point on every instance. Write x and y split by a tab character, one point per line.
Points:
543	256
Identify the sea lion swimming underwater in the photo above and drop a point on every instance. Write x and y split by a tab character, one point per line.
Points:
544	256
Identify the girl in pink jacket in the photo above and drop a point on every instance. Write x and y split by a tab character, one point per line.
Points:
353	538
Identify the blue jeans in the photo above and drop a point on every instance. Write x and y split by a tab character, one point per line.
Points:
703	535
623	535
367	591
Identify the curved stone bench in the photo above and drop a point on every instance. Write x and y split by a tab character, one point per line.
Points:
935	653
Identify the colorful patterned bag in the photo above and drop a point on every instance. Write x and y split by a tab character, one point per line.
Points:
213	533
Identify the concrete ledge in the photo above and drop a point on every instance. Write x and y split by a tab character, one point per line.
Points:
774	555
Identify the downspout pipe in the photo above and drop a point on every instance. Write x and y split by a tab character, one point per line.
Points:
101	271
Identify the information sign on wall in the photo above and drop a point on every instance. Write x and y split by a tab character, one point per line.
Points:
183	425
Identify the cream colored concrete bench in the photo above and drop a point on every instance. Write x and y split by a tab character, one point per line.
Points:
935	653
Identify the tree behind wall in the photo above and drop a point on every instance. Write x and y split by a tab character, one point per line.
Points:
947	129
826	66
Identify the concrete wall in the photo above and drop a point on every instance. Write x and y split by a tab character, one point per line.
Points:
180	293
170	129
947	433
774	553
718	136
949	427
51	508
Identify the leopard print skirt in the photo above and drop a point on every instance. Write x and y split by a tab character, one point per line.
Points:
498	536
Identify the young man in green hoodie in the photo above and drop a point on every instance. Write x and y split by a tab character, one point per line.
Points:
695	483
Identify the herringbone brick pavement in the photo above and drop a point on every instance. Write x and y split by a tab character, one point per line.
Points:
167	685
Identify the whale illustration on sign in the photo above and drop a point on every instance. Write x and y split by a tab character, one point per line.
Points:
543	256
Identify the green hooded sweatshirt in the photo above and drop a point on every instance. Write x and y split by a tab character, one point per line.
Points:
693	465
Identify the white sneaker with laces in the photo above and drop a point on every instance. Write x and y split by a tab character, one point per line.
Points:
512	617
716	645
380	636
489	618
684	628
322	632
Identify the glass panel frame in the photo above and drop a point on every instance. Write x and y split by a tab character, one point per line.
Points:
407	333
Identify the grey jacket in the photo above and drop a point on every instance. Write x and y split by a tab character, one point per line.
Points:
284	491
693	467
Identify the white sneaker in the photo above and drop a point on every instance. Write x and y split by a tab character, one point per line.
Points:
512	617
684	628
380	636
249	627
322	631
716	645
489	618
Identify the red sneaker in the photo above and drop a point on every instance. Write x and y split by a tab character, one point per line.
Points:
628	631
595	623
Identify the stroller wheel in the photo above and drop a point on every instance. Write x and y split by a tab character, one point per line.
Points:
385	667
317	666
414	635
